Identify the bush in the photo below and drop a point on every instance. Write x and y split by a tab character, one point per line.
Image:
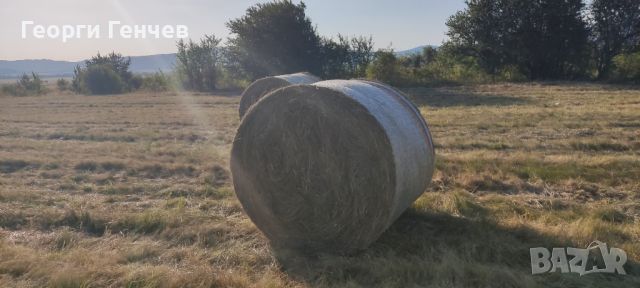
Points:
451	69
386	68
26	86
101	80
434	67
135	82
230	81
105	75
13	90
441	66
156	82
63	84
512	73
626	68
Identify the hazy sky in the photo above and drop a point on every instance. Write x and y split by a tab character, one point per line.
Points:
401	24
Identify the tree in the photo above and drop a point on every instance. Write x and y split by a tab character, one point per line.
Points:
544	39
429	54
116	61
346	58
275	38
615	27
361	54
336	58
198	63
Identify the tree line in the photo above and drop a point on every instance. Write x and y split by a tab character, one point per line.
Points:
546	39
489	40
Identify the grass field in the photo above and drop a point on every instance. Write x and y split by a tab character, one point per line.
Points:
134	191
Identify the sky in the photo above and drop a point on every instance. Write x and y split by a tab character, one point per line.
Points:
399	24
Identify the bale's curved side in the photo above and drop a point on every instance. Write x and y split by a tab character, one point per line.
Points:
263	86
299	78
409	104
332	170
410	137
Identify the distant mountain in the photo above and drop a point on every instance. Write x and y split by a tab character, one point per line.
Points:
153	63
139	64
52	68
412	51
44	67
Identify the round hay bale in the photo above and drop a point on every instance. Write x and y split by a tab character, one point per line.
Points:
334	168
262	87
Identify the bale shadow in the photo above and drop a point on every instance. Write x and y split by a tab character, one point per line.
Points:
459	96
440	250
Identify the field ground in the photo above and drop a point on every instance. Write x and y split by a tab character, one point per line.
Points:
134	191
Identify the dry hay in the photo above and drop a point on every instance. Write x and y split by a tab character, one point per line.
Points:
262	87
334	167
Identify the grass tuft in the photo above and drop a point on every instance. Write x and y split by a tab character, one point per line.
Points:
10	166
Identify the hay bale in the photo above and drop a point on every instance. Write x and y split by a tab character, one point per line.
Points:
334	168
262	87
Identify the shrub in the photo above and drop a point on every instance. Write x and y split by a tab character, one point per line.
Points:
441	66
448	69
102	79
63	84
135	82
10	166
626	68
385	68
512	73
156	82
229	81
13	90
105	75
435	67
26	86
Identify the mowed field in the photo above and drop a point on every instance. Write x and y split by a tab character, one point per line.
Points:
135	191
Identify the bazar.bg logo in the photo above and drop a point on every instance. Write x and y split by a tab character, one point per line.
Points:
594	259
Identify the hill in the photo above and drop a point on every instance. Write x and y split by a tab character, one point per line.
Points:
412	51
53	68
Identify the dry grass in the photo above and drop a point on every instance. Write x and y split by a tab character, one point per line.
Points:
133	191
